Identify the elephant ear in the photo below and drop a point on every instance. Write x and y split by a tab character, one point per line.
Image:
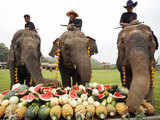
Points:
92	45
56	45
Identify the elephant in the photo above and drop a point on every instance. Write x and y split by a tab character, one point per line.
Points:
136	47
74	59
24	60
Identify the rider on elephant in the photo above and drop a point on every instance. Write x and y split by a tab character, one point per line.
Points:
29	25
74	22
129	17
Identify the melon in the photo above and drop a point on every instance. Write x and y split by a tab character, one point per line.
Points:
118	95
29	98
9	94
60	92
37	88
31	112
43	113
22	90
4	93
46	97
73	94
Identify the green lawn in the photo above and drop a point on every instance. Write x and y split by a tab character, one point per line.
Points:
99	76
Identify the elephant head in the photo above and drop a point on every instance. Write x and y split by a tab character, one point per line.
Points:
74	54
25	51
136	48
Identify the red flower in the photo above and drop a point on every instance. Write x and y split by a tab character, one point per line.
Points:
4	93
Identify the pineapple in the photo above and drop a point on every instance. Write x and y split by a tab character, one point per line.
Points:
67	111
55	112
148	106
90	111
2	110
101	111
111	110
142	109
80	112
20	112
122	108
10	110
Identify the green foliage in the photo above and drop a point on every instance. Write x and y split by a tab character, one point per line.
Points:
3	53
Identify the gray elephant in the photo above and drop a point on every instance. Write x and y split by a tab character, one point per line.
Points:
136	48
24	59
74	59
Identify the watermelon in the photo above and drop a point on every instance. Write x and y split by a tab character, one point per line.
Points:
73	94
29	98
37	88
101	96
123	91
9	94
46	89
22	90
46	97
4	93
60	92
118	95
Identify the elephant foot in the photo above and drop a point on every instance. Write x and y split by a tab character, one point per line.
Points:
51	82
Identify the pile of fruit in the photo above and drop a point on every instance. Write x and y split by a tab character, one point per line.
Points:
77	102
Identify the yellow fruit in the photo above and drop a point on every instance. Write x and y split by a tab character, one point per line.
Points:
106	93
141	109
2	110
10	110
20	112
67	111
56	112
149	107
101	111
121	108
90	109
111	110
80	109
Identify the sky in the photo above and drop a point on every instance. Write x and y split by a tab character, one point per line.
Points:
100	17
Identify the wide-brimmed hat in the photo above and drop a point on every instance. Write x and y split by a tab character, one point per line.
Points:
130	3
26	15
72	12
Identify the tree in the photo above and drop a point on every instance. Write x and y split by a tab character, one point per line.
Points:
3	53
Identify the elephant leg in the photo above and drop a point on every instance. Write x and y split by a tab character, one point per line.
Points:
21	74
12	74
76	78
128	77
27	76
66	76
150	96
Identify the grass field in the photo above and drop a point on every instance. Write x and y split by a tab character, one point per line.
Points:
99	76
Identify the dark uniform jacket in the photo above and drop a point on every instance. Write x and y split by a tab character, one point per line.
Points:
128	17
30	25
76	22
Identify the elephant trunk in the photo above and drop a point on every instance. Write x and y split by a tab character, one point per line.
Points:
139	62
33	66
83	65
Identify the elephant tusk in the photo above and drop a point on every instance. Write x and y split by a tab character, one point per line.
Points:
74	66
